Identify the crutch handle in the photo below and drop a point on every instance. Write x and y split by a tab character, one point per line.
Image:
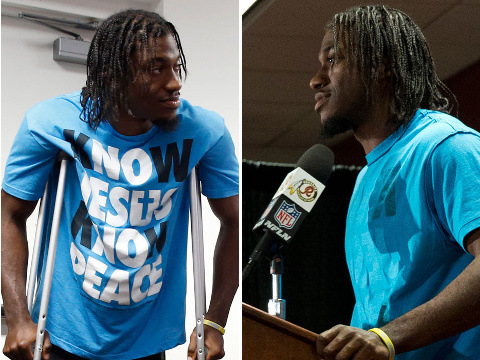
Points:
62	155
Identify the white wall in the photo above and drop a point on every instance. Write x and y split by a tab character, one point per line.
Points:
209	31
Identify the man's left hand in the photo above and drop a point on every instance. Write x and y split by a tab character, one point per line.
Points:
213	342
345	342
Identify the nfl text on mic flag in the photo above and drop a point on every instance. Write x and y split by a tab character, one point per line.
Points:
293	200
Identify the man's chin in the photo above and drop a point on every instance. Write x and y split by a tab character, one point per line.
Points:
332	126
170	124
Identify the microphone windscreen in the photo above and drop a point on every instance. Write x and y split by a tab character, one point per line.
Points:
318	162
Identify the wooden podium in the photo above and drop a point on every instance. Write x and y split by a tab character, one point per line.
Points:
267	337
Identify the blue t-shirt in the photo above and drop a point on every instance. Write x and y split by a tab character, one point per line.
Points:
119	282
412	206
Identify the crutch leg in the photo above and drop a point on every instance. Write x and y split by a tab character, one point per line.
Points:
52	249
198	261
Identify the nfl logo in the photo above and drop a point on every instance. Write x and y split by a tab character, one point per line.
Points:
287	215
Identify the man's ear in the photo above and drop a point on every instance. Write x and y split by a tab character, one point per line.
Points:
385	75
385	70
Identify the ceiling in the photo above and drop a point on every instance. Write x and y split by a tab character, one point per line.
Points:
281	40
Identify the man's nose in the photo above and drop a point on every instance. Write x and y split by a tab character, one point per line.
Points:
174	83
319	80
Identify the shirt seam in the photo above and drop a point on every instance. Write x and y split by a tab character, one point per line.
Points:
460	231
233	191
11	190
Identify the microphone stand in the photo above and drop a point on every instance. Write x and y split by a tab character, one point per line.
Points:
264	246
276	305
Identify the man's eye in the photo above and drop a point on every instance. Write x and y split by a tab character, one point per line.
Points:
178	67
157	69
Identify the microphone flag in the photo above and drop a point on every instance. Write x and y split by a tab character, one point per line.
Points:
293	200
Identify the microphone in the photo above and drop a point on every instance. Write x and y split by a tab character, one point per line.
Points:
293	200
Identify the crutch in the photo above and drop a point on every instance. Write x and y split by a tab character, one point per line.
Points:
198	261
52	249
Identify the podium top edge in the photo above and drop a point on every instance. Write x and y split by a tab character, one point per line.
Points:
272	321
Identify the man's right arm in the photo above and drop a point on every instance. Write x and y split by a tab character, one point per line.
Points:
21	328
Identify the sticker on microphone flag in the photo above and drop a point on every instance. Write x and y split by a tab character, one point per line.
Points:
287	215
306	190
301	188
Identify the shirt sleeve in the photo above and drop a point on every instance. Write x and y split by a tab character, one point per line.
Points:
218	169
456	184
29	165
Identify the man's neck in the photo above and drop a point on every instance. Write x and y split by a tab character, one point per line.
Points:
130	126
376	128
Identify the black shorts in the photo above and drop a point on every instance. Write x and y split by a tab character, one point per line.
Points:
60	354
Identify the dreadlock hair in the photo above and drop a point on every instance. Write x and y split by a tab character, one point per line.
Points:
376	36
109	64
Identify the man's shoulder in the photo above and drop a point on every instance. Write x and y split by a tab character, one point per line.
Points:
52	115
437	126
442	123
440	133
198	120
200	115
58	103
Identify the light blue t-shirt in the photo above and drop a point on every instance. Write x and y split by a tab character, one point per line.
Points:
412	206
119	283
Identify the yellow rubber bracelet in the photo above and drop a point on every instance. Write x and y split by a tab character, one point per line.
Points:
214	325
386	340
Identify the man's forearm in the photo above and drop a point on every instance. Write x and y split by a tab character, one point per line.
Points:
14	269
454	310
225	274
15	258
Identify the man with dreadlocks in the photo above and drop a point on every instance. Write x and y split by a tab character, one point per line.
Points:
118	290
413	224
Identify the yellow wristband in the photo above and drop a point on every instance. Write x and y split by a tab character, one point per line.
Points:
386	340
214	325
